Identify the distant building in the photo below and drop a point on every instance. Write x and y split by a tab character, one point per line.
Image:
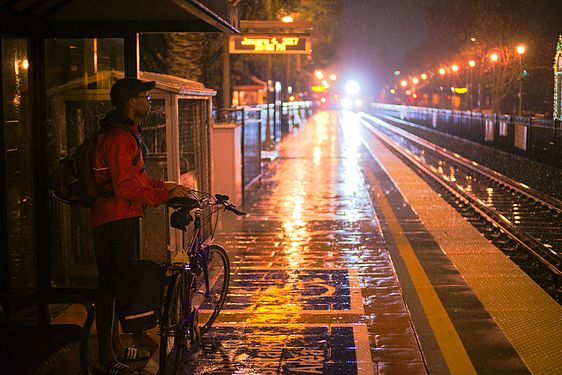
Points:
250	93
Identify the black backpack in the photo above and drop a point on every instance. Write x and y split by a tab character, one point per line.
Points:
74	179
138	294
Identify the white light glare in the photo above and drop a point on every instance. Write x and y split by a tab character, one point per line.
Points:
352	88
346	103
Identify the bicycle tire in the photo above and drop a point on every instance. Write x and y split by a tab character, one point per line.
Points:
219	280
172	342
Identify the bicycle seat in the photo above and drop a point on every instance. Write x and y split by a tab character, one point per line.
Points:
183	202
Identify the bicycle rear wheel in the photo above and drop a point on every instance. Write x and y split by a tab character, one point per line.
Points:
211	303
172	336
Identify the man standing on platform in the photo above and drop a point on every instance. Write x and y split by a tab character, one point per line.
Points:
120	162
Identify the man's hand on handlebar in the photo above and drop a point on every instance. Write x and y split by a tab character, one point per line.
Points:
178	191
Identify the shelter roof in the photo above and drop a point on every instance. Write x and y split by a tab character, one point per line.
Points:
164	82
113	17
177	85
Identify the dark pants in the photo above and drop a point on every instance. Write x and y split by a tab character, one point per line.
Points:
116	244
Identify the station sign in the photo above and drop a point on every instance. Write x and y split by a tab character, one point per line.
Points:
270	44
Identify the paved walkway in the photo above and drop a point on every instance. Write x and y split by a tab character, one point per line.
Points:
313	288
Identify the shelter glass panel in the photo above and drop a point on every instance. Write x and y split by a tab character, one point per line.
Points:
154	225
194	143
195	150
18	163
79	74
154	128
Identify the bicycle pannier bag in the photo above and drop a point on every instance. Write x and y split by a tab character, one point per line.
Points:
138	296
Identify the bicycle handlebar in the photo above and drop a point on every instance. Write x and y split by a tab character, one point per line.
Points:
184	202
190	203
223	200
235	210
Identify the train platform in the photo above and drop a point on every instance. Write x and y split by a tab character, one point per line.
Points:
349	263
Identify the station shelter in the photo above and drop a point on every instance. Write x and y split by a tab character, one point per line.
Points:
59	59
177	132
250	93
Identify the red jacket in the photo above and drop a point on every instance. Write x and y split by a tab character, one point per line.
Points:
133	188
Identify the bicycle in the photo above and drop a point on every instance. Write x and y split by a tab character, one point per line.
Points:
197	280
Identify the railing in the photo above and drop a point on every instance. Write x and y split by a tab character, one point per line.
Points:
293	114
250	121
254	122
534	138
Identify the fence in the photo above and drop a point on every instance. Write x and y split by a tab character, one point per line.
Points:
254	122
250	121
534	138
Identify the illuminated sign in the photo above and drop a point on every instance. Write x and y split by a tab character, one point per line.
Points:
274	44
461	90
319	88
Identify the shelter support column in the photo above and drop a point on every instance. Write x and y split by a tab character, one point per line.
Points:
132	55
226	101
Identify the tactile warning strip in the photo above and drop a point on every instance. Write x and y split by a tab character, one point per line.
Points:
528	316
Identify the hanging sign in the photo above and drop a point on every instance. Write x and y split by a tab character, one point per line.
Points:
319	88
270	44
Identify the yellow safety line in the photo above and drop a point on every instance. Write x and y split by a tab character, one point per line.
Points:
449	342
524	312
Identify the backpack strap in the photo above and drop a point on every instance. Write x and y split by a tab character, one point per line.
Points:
105	189
141	146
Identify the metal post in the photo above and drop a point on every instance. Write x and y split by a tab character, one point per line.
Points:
131	52
520	85
226	102
469	87
269	144
494	88
242	154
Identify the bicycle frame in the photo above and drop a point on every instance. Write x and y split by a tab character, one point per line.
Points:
198	251
198	262
198	257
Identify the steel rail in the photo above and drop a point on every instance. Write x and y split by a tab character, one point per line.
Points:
530	243
531	193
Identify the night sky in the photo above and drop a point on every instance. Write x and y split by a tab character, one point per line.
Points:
376	35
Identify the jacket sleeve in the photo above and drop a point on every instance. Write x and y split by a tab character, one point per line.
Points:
128	181
155	183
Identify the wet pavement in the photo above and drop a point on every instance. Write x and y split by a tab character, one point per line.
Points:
313	289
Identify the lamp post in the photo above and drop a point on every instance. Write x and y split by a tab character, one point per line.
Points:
442	72
455	70
494	58
470	78
520	52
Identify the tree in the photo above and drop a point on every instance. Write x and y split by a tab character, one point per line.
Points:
196	56
322	14
498	27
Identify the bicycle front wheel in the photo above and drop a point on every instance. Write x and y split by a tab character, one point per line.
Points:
172	335
211	303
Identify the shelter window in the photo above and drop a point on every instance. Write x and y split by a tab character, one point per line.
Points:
79	74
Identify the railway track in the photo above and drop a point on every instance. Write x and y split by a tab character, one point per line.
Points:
525	224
